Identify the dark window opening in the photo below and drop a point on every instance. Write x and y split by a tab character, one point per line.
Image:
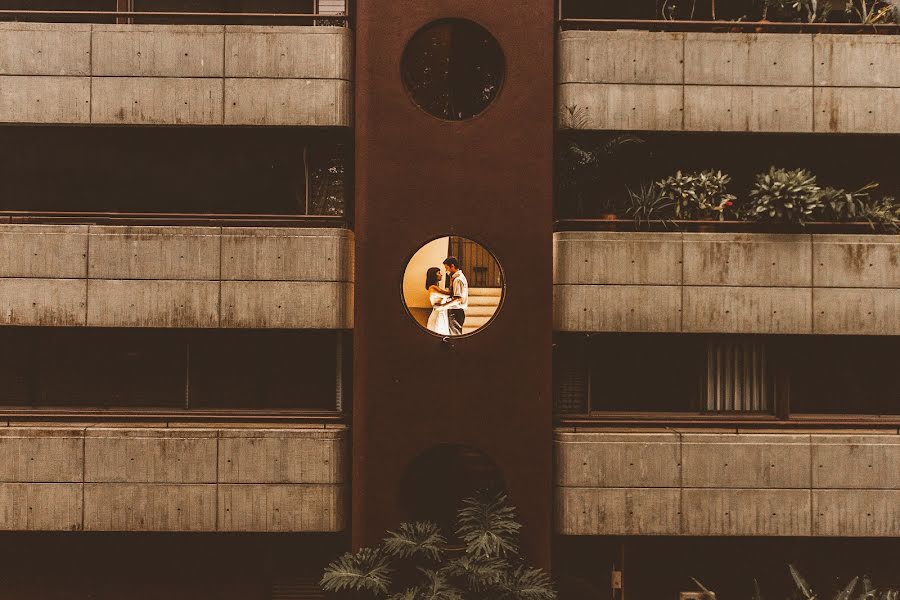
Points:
726	374
453	69
168	369
174	170
847	375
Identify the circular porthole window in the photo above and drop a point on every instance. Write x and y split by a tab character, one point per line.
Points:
453	69
453	286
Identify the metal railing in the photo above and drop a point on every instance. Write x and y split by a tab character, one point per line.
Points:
163	17
196	219
678	25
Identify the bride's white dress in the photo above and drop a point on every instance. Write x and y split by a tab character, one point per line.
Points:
438	321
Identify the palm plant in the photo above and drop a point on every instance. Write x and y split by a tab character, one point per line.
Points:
416	562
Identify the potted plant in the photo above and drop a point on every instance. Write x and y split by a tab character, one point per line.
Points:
647	204
781	196
700	196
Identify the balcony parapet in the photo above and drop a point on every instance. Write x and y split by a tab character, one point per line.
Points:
727	484
193	277
727	283
197	478
175	74
729	82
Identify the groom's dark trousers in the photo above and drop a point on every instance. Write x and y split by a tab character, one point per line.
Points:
456	317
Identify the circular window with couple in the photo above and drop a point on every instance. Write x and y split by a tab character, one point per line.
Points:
453	286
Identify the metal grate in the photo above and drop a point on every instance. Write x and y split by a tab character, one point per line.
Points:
738	377
571	388
302	587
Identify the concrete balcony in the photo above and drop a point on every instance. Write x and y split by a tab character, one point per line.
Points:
109	478
175	74
194	277
727	283
727	484
734	82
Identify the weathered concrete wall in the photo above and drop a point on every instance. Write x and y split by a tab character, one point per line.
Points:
175	74
200	277
735	484
727	283
116	478
641	80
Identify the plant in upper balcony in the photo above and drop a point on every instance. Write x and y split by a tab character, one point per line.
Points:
698	196
784	196
841	206
873	12
582	168
647	204
884	213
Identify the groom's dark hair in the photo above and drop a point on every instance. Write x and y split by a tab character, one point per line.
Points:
451	261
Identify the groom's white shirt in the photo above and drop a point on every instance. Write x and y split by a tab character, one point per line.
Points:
459	288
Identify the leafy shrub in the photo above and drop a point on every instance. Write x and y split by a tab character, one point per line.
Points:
784	196
699	195
415	562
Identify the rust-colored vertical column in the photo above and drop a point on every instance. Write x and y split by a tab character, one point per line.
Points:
488	178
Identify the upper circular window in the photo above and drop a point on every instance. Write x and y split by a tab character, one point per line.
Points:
453	69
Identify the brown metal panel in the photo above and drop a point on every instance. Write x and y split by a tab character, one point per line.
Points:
488	179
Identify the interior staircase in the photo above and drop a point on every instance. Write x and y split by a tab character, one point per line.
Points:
483	303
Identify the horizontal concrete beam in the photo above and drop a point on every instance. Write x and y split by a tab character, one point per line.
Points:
200	277
716	484
640	80
727	283
175	74
103	478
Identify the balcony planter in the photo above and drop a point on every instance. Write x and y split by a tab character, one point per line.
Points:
625	225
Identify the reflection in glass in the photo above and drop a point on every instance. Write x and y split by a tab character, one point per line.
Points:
453	69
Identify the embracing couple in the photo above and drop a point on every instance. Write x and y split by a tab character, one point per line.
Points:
448	312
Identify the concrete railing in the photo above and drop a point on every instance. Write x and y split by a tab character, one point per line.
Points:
196	277
109	478
727	484
639	80
727	283
175	74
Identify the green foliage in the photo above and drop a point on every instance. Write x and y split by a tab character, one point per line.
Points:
367	570
416	563
582	168
873	12
648	204
842	206
884	213
419	539
699	195
783	196
488	527
805	590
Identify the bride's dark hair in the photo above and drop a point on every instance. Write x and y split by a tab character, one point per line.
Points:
431	277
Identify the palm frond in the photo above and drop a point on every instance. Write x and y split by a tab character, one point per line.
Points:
436	587
526	583
418	539
847	591
369	570
487	525
801	583
478	573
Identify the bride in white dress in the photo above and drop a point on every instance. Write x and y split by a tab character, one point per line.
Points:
438	321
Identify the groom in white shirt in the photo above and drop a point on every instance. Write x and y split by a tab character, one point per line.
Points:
459	296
